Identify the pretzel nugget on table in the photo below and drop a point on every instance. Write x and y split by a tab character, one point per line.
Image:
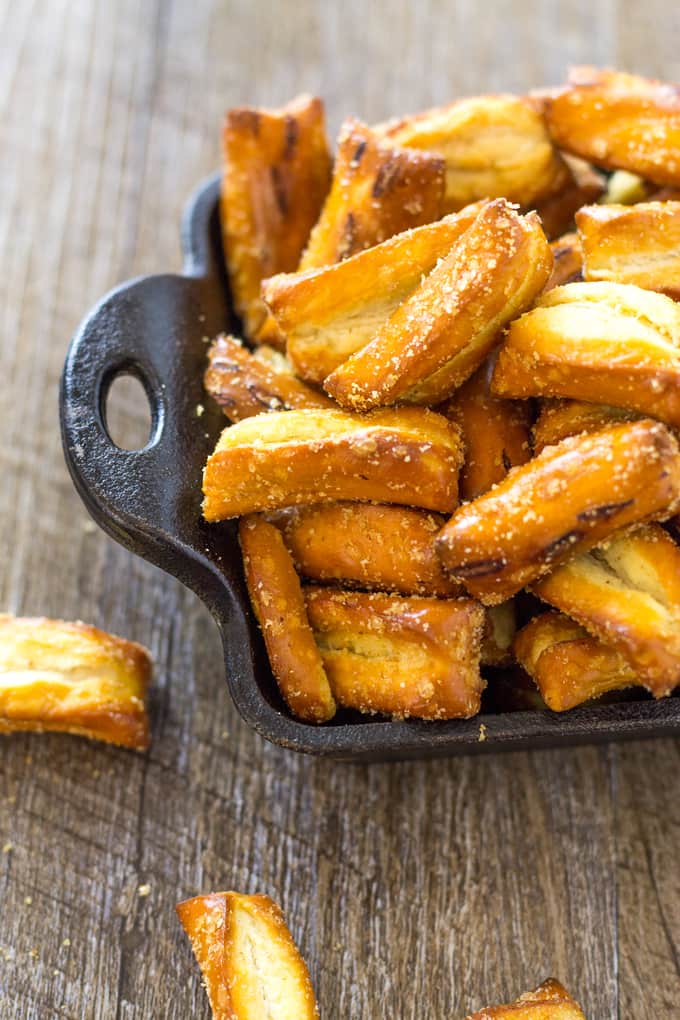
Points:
550	1001
377	190
276	177
626	592
405	455
494	147
559	419
439	335
610	343
248	959
328	314
399	656
72	678
279	605
561	503
637	244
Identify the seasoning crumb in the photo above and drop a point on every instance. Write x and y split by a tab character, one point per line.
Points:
7	847
66	942
89	527
28	900
199	410
482	732
144	890
55	972
33	953
225	734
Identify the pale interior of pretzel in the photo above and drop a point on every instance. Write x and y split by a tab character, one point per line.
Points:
73	678
550	1001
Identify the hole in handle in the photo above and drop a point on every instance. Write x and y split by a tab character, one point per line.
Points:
127	411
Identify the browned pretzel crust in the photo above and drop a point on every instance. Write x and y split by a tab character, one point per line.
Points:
627	593
619	121
408	455
434	340
550	1001
637	244
557	211
569	665
328	314
399	656
566	500
278	603
561	418
608	343
276	176
568	262
248	958
72	678
495	433
372	545
378	190
494	147
244	385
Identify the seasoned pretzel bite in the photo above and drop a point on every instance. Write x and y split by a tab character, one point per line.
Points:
569	665
568	262
72	678
287	458
251	967
550	1001
378	190
244	385
494	147
495	433
627	593
436	339
585	186
276	176
637	244
328	314
563	502
372	545
610	343
399	656
279	605
619	121
561	418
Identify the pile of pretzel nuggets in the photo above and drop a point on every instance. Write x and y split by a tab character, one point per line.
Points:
456	403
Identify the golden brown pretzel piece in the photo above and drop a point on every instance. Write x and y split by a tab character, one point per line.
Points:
569	665
399	656
378	190
627	593
494	147
550	1001
568	261
372	545
328	314
637	244
279	605
563	502
609	343
561	418
557	211
251	967
72	678
436	339
619	121
276	176
245	385
495	433
407	455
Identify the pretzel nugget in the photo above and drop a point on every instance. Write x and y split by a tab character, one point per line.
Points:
568	665
244	385
494	147
372	545
563	502
550	1001
399	656
610	343
585	186
378	190
73	678
286	458
495	433
627	593
251	967
619	121
568	262
436	339
279	605
328	314
637	244
276	176
561	418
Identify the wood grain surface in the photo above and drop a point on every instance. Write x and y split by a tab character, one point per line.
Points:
419	890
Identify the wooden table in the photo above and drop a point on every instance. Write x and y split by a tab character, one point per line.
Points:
416	890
